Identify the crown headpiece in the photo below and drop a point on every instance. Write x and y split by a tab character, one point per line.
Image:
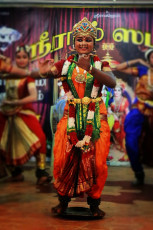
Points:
147	53
120	83
84	27
23	47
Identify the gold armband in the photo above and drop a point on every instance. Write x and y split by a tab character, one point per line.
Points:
90	69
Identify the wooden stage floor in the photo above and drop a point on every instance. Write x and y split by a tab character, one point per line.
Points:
23	206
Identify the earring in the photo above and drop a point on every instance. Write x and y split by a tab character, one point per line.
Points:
94	50
74	47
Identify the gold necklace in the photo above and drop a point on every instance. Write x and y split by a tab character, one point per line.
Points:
80	78
117	106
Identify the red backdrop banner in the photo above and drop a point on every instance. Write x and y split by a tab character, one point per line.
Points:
123	34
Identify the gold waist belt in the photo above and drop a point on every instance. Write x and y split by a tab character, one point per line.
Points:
84	100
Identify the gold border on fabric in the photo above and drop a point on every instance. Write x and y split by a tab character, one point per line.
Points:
107	69
84	100
20	142
149	102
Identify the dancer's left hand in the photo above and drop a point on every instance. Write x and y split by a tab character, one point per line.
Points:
5	64
84	61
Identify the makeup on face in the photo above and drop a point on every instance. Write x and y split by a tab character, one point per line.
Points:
117	91
84	44
22	59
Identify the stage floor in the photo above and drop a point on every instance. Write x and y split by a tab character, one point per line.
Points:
23	206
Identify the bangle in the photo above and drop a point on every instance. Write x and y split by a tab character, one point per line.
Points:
28	73
4	75
63	78
42	76
90	69
128	65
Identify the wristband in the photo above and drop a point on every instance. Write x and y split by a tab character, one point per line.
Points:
28	73
128	65
42	76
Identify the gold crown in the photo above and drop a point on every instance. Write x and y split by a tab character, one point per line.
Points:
84	27
120	83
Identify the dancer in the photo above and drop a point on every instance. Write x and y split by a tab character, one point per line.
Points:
82	139
21	135
138	124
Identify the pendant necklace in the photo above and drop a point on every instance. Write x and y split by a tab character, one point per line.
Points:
80	78
117	106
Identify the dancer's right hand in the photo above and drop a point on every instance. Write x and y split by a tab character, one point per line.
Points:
5	64
45	66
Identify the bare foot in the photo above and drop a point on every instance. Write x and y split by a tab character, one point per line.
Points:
59	209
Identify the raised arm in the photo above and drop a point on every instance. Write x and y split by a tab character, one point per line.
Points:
126	66
105	78
10	71
46	69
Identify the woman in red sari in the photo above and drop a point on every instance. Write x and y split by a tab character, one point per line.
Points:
21	135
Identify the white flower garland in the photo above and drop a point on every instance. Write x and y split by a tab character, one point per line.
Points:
90	115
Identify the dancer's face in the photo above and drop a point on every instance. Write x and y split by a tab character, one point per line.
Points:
117	92
84	44
22	59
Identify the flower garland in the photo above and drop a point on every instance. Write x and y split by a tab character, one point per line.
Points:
84	143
